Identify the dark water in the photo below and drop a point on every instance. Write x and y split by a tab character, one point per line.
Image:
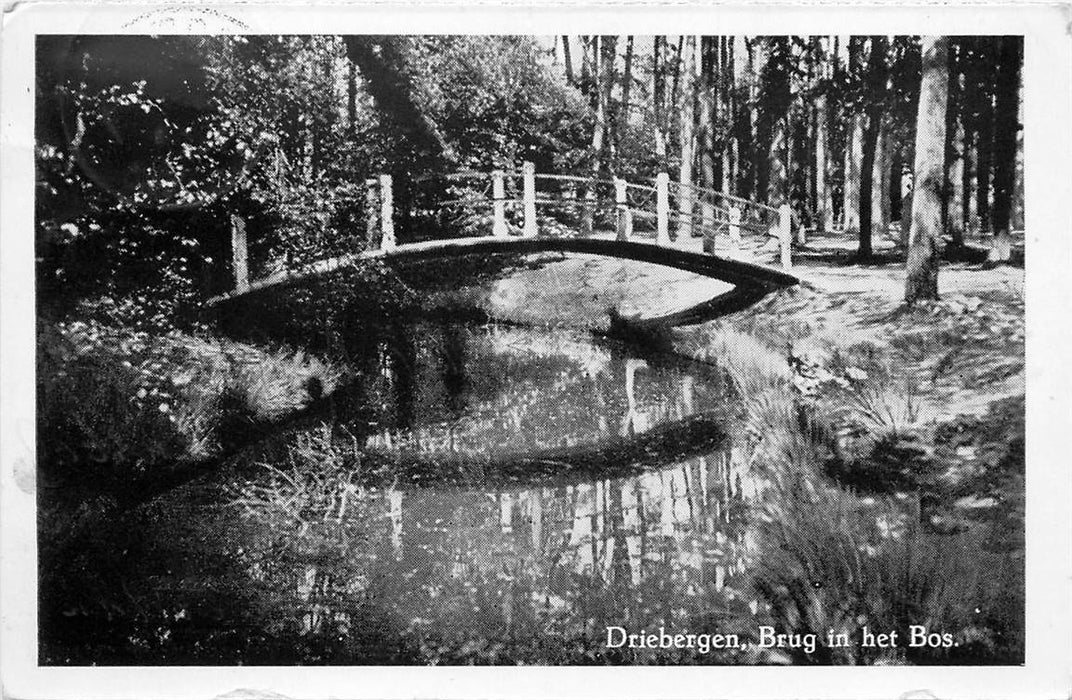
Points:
520	491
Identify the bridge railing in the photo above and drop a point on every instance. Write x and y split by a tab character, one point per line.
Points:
522	202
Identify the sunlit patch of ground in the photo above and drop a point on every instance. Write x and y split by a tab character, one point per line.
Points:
578	290
959	354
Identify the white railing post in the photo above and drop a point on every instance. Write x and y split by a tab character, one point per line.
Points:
708	226
498	194
735	229
785	235
529	174
662	208
372	213
625	214
387	214
239	261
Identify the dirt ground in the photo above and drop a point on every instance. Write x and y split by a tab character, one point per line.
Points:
957	355
960	353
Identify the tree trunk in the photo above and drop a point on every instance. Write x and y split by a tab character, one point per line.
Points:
729	116
955	185
706	117
380	60
896	184
778	157
608	46
969	99
854	153
876	90
687	136
823	204
743	81
658	95
776	98
588	59
602	47
921	280
880	178
983	149
351	101
967	175
765	113
953	189
1006	132
567	58
627	78
677	69
906	213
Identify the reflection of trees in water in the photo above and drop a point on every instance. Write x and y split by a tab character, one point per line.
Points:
512	567
515	566
452	389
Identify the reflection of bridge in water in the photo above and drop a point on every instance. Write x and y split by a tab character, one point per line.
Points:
648	546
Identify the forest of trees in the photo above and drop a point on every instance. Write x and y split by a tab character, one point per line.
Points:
147	145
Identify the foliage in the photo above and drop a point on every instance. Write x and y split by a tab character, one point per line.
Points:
116	405
498	102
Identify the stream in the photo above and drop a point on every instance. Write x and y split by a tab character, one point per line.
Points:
520	490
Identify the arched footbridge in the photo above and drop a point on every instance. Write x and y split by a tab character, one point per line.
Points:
714	234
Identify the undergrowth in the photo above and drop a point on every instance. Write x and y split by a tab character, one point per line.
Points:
859	476
116	404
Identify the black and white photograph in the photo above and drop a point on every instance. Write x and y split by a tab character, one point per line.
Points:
531	348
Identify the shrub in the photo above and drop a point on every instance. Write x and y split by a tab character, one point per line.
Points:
95	422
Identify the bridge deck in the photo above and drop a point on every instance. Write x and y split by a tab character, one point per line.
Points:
750	280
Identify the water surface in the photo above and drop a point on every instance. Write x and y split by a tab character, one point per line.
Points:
520	491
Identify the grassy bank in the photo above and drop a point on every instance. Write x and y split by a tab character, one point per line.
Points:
891	439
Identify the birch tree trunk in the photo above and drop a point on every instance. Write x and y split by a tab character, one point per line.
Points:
921	280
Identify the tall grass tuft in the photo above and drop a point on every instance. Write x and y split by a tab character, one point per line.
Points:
832	562
317	483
